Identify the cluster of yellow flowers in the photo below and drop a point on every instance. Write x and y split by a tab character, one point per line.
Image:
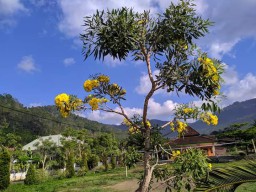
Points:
61	99
62	102
210	166
180	126
209	68
147	123
188	110
133	129
209	118
90	84
211	71
94	102
103	79
175	153
65	103
172	126
114	89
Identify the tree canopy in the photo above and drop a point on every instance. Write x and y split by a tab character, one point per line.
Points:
166	42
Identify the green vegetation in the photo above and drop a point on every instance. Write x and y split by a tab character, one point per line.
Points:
248	187
31	177
92	182
4	168
164	41
17	121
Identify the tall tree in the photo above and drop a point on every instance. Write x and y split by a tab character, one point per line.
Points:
46	149
105	146
166	41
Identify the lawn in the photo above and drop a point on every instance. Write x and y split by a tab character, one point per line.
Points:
92	182
110	181
248	187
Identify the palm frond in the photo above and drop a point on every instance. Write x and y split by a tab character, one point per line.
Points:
228	179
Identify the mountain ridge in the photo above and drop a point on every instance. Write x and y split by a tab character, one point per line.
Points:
238	112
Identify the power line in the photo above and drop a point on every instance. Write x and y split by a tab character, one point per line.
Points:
40	117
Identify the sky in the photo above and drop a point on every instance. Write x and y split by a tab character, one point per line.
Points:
40	53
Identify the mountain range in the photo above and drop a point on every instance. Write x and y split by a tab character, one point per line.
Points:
30	123
238	112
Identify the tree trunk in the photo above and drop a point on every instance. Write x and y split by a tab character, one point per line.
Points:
144	185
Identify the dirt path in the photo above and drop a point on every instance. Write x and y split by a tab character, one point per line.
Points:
132	185
125	186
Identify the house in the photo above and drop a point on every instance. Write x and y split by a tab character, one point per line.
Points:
193	139
54	138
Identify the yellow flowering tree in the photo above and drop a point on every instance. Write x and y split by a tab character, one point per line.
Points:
166	41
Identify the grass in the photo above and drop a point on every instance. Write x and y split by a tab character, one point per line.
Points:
92	182
101	181
248	187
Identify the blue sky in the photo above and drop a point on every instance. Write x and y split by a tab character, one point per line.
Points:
40	52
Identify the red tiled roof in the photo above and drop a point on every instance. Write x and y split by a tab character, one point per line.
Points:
192	140
190	132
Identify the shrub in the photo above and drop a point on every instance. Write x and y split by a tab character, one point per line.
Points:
93	161
31	177
70	170
113	162
4	169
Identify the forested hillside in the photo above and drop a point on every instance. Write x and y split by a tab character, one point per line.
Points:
29	123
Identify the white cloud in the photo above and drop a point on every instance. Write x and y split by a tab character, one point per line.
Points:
218	49
234	21
109	61
27	64
110	118
155	111
74	11
8	8
160	111
35	104
230	75
69	61
145	84
241	90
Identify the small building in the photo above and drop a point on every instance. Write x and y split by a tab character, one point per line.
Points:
56	139
193	139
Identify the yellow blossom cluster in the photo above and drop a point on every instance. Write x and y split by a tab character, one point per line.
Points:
209	118
188	110
66	103
95	102
61	99
90	84
103	78
210	70
175	153
133	130
172	126
114	89
216	92
179	126
210	166
147	123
